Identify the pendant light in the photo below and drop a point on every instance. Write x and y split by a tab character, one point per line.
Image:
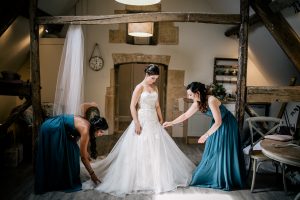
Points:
144	29
138	2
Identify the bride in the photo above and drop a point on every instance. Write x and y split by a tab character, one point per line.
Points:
145	159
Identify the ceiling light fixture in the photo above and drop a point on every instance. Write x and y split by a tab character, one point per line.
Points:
138	2
144	29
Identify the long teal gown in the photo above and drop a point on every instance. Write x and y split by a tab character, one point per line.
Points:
57	161
222	164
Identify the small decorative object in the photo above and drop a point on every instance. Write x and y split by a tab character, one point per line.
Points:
218	90
226	72
219	72
234	72
96	61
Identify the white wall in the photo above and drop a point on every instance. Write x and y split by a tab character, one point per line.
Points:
14	45
50	53
198	45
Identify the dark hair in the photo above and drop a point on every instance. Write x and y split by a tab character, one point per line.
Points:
96	123
152	69
200	88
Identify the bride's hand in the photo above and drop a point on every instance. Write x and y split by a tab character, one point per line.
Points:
167	124
138	128
161	121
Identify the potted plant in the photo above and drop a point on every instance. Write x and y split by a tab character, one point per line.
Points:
218	90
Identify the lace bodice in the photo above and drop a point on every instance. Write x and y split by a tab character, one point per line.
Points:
147	112
148	100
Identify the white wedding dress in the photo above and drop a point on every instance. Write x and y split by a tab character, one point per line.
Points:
147	163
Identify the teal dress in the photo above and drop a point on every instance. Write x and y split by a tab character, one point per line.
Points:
222	164
58	156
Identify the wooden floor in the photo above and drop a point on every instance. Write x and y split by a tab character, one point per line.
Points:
17	183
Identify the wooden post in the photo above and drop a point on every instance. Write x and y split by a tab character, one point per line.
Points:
35	72
242	71
283	106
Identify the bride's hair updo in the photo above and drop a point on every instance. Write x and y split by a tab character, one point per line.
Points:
152	69
200	88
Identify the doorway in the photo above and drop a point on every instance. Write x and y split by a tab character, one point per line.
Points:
128	75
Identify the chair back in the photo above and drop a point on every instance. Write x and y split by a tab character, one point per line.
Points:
262	126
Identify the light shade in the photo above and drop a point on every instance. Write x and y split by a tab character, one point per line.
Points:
140	29
139	2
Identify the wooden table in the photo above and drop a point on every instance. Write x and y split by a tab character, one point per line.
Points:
285	153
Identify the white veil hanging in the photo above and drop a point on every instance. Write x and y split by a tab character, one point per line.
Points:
70	82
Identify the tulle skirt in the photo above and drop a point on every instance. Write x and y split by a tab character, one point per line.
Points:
147	163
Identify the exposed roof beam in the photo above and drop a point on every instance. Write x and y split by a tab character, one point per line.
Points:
143	17
281	31
279	5
6	21
235	29
275	6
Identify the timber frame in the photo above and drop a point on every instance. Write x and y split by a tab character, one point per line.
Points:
242	20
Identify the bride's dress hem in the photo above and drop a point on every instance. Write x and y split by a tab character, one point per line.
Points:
147	192
150	162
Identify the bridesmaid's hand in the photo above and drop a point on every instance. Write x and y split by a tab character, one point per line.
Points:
203	138
167	124
95	179
138	128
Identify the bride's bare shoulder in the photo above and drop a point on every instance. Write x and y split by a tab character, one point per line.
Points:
139	88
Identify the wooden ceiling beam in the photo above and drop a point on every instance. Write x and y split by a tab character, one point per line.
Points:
281	31
143	17
279	5
275	6
269	94
15	88
253	19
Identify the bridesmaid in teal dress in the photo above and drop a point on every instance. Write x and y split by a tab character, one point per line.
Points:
58	154
222	164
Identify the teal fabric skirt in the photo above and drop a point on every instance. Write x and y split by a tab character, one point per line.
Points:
58	156
222	165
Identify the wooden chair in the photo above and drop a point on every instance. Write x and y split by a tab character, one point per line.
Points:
262	126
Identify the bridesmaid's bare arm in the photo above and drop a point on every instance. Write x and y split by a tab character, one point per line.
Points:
214	105
192	110
83	126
